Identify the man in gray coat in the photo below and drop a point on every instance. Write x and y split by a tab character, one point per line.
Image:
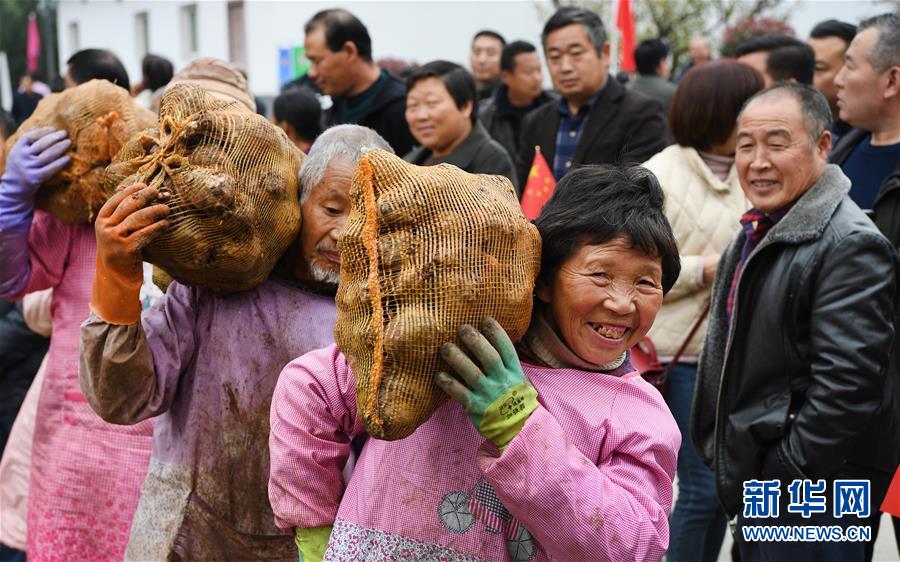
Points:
794	386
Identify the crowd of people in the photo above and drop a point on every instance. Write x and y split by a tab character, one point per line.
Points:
743	218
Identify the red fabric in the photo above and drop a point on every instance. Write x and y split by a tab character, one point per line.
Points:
539	187
891	502
625	23
33	45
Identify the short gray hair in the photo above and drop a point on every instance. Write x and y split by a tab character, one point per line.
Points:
813	105
885	52
340	141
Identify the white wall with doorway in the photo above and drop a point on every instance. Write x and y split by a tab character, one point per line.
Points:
179	31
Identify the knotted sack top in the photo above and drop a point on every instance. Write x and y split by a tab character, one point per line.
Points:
232	179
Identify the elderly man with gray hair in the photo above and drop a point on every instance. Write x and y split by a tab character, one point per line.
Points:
206	365
794	388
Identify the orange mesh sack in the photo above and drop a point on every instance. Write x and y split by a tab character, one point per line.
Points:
425	249
99	117
232	180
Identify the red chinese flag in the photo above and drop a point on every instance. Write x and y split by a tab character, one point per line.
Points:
892	499
539	187
625	23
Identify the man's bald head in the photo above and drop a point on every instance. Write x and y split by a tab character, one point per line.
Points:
783	143
816	111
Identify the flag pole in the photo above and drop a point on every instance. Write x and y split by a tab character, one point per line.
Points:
613	37
6	90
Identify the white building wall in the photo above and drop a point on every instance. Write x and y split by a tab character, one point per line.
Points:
110	25
413	31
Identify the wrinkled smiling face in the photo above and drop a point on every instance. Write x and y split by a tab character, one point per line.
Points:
775	158
604	299
324	212
433	118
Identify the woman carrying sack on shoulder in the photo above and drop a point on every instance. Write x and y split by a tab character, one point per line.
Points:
552	450
704	203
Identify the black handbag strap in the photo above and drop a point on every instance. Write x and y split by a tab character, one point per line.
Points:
687	341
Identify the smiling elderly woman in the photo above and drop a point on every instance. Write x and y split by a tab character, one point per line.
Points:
441	113
560	451
608	257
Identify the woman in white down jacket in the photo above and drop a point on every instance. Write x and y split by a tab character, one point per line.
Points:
704	203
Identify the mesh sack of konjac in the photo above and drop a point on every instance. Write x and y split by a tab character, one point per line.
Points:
424	250
99	117
231	179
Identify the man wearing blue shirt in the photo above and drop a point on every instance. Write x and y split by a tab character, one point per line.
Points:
597	121
869	99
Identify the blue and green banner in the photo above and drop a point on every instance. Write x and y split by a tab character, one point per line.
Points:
292	63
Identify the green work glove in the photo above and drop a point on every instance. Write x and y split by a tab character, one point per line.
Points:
496	396
312	542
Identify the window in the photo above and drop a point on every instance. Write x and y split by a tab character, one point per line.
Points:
189	42
74	38
141	34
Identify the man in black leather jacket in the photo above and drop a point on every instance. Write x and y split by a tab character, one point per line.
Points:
794	379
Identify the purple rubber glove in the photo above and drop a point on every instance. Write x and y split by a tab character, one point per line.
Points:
37	156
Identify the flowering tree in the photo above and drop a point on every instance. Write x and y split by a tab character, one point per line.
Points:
398	67
749	28
677	21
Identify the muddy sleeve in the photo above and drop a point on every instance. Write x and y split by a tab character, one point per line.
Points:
115	369
127	376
